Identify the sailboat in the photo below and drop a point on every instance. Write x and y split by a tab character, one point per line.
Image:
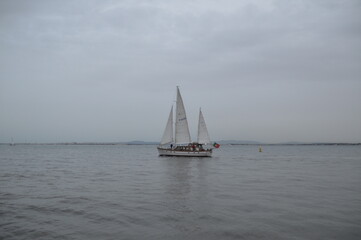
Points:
12	142
181	144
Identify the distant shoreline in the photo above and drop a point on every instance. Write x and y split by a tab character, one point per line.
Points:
229	144
295	144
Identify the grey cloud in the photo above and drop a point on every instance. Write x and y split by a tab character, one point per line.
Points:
95	70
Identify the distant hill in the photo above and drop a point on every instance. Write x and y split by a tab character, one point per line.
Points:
225	142
141	143
292	143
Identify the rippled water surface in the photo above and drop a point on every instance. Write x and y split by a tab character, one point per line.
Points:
128	192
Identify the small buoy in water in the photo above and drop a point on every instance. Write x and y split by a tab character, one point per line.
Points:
260	149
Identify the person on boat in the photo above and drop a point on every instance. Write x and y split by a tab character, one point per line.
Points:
171	146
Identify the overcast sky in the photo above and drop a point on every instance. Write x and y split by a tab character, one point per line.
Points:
270	70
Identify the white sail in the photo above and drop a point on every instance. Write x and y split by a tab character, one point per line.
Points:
203	136
182	135
168	132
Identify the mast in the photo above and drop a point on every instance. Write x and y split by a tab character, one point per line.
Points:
203	136
168	131
182	135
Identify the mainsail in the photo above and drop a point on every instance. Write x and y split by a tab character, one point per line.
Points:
203	136
168	132
182	135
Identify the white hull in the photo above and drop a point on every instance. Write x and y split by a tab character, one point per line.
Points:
172	152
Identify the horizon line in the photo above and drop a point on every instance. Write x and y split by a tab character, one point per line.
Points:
139	142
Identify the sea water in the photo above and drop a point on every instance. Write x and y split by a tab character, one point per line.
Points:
128	192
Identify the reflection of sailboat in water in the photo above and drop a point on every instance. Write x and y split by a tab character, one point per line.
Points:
182	145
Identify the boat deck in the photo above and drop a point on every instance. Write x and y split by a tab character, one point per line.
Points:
184	152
